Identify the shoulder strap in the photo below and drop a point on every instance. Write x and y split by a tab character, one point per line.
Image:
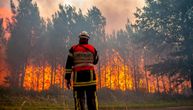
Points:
86	49
74	47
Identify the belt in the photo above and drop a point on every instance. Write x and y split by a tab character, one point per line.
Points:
83	66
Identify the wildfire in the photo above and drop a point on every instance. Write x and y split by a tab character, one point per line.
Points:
39	78
34	78
114	74
4	71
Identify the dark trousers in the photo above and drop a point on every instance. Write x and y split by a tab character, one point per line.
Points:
91	99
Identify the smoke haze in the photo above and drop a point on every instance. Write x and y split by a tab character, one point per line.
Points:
115	11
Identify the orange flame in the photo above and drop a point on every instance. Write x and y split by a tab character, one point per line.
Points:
114	74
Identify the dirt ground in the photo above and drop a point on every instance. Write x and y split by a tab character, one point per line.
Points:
168	108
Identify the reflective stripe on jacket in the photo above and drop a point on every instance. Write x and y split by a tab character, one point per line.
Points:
81	61
83	57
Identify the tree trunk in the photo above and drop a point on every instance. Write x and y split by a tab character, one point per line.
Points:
110	77
118	77
33	80
22	75
43	82
99	75
157	82
63	74
14	78
170	84
54	74
105	75
125	75
51	78
135	78
135	71
191	80
38	79
164	87
146	76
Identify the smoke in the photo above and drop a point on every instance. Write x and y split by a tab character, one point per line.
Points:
3	3
116	11
48	7
4	9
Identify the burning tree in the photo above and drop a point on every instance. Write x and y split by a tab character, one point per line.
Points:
37	48
27	26
167	29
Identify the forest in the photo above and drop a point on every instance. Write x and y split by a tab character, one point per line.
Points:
153	55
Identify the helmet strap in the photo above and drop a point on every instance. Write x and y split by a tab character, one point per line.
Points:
83	41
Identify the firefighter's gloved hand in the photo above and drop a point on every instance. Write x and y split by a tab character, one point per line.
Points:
68	84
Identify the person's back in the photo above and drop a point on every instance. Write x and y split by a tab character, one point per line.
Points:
81	60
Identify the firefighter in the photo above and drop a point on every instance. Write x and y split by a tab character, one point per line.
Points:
81	60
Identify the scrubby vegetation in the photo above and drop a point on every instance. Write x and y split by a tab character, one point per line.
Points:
12	99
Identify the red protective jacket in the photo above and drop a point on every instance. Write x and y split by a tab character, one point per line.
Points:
81	61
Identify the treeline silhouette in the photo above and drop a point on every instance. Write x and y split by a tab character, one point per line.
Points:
155	54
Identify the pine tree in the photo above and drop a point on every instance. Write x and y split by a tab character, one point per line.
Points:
167	31
27	27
